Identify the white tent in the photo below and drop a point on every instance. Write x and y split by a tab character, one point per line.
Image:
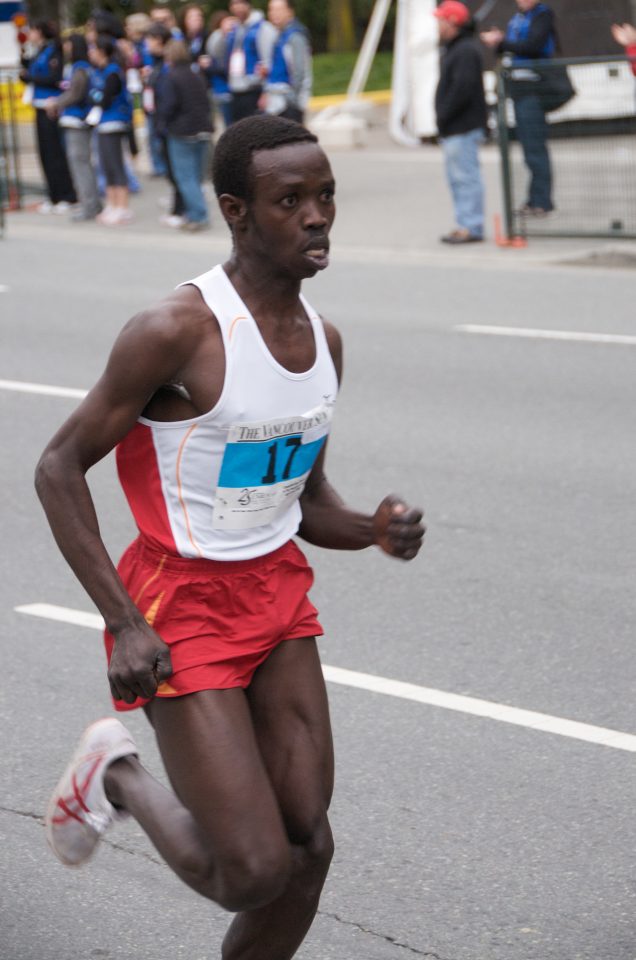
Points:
415	75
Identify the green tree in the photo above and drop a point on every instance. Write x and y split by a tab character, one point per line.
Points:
341	35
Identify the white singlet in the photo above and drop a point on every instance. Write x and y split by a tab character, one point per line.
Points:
225	485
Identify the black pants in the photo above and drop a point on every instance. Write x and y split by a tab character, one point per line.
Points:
245	104
177	208
53	159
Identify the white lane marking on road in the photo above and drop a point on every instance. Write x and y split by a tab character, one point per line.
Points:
623	339
529	719
3	288
22	386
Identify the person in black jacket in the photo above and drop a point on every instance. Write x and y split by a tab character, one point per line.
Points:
460	107
43	71
183	116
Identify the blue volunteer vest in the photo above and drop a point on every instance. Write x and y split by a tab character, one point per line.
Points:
280	70
519	30
249	47
80	110
40	67
120	110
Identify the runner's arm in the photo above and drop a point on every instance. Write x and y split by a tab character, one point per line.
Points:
327	522
147	353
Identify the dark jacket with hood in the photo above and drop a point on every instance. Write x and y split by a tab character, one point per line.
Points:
460	104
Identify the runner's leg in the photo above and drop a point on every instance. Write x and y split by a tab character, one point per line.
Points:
222	833
291	719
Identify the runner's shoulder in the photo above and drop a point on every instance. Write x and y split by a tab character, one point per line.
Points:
180	321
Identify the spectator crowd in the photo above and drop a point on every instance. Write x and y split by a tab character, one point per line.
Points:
189	78
186	79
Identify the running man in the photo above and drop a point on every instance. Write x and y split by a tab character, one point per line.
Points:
219	401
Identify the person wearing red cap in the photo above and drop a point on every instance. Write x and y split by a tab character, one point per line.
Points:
460	106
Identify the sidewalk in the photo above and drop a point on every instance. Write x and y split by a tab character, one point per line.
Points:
393	205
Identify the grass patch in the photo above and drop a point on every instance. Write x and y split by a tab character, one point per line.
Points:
332	72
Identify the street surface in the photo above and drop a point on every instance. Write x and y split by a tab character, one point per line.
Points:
459	836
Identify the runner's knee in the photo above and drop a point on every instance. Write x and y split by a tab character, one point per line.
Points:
253	878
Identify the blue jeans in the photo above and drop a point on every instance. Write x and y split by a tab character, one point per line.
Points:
532	133
461	157
188	160
155	147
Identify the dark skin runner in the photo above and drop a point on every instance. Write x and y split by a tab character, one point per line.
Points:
252	771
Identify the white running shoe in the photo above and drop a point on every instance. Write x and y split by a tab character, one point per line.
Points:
79	811
45	207
62	207
106	216
172	220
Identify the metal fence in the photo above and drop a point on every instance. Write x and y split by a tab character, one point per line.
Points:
20	171
568	171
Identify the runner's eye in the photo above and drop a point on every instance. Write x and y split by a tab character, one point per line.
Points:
290	200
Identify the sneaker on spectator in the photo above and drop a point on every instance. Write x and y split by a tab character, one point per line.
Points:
79	812
172	220
193	226
107	215
62	207
45	207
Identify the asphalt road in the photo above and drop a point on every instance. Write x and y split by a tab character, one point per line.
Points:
458	837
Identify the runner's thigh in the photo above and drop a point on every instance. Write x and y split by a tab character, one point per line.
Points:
212	758
289	705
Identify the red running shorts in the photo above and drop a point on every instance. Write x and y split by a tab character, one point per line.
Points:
221	620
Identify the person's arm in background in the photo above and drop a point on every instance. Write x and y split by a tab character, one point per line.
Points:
76	93
300	68
541	29
625	35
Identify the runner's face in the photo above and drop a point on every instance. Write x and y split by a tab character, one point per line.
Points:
525	5
292	209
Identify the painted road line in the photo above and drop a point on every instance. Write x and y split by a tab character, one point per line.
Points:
542	722
3	288
42	388
618	338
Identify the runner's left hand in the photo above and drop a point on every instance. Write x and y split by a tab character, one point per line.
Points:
398	528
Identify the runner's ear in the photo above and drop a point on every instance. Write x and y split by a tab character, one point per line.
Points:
234	209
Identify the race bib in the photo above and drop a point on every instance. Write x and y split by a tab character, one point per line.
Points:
265	467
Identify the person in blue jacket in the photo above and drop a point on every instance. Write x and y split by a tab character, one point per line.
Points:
109	94
530	35
72	109
248	58
44	72
289	81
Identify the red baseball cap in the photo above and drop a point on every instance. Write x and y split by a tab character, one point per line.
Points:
453	11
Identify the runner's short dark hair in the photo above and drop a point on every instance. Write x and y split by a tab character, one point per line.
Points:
233	153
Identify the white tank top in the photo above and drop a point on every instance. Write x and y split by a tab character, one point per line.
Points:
225	485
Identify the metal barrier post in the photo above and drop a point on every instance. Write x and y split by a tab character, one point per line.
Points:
504	150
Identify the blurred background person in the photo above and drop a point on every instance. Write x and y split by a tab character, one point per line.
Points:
530	35
248	54
158	38
288	82
166	18
110	95
214	63
183	115
194	32
44	70
460	107
72	107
